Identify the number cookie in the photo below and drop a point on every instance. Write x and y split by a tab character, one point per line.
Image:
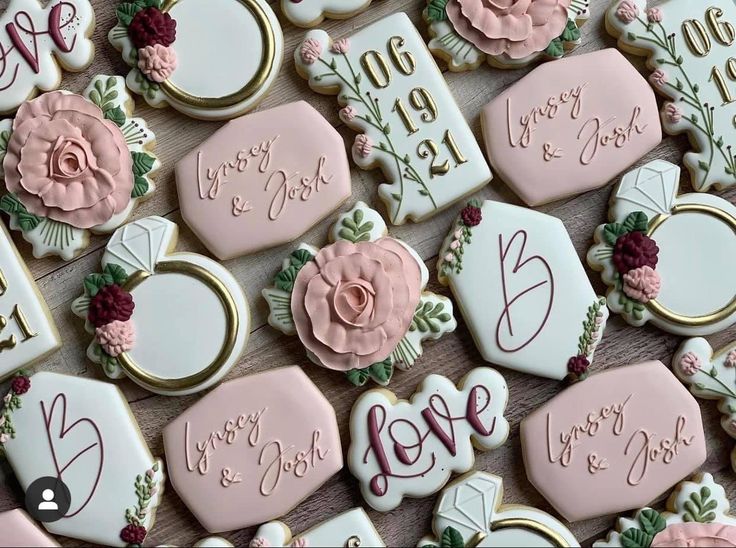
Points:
689	47
522	290
410	448
409	125
359	305
82	432
148	299
74	165
213	71
310	13
668	258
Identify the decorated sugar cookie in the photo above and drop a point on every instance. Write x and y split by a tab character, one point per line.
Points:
147	302
350	529
564	129
469	512
208	542
310	13
83	432
711	375
263	180
522	290
604	435
698	515
74	165
408	123
213	60
37	41
401	448
27	331
667	259
253	449
689	47
20	530
359	305
508	34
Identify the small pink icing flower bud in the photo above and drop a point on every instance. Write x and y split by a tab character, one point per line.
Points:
348	113
658	78
363	145
449	258
341	46
4	438
654	15
730	360
642	284
149	473
627	11
458	234
311	51
673	113
455	244
690	364
259	542
300	542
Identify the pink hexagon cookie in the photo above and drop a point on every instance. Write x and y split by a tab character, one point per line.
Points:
18	529
263	180
253	449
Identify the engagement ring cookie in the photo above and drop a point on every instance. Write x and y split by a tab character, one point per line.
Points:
359	305
147	301
401	448
470	513
74	165
20	530
668	259
37	41
408	123
310	13
698	515
263	180
605	435
253	449
689	47
212	60
564	129
522	290
82	432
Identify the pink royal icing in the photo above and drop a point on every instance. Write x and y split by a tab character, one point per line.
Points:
18	529
157	62
681	535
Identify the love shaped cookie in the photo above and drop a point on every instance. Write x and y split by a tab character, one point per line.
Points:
408	123
82	432
212	60
147	301
522	290
698	514
666	258
75	165
689	49
310	13
37	41
359	305
409	448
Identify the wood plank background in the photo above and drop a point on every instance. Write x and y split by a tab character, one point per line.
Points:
453	356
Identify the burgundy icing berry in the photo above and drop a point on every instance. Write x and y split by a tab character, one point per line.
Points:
578	365
634	250
471	215
151	26
20	385
133	534
110	304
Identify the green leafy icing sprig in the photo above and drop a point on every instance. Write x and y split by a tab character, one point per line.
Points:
720	388
127	10
651	523
591	328
10	403
11	205
284	280
699	506
380	372
354	229
427	316
452	257
146	487
104	95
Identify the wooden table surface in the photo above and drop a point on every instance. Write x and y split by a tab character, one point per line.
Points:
453	356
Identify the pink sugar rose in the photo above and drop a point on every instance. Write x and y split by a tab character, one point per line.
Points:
690	364
348	113
695	535
627	11
157	63
363	145
311	51
642	284
673	113
658	78
116	337
341	46
654	15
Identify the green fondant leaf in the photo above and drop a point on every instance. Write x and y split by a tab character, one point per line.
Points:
571	32
382	371
437	10
116	273
300	257
140	187
451	538
28	221
285	279
4	138
126	12
612	232
142	163
354	230
652	521
358	377
93	283
636	538
555	49
10	204
636	222
116	115
703	165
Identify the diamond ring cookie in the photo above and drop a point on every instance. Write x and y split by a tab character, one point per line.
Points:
409	448
359	305
37	41
505	34
668	259
263	180
408	123
75	165
82	432
522	290
469	512
604	435
310	13
212	71
689	49
147	299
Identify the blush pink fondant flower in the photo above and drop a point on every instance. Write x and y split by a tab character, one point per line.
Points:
658	78
116	337
695	535
363	145
654	15
642	284
341	46
348	113
66	162
627	11
690	363
311	51
515	28
157	63
673	113
354	302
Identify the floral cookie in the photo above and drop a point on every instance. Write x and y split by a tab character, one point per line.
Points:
522	290
711	375
147	300
36	40
83	432
403	448
359	305
689	47
351	529
505	34
668	259
698	515
408	123
310	13
603	435
470	512
213	71
20	530
75	165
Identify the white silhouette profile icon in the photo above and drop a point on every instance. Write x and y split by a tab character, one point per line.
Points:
48	501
